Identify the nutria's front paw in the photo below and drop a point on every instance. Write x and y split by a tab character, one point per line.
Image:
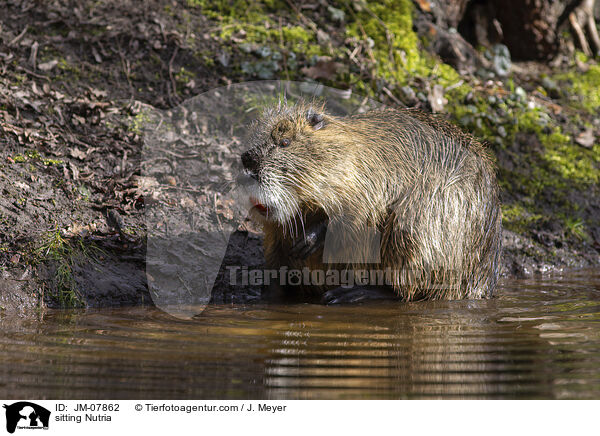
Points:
312	239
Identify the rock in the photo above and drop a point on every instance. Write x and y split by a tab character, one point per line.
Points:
450	46
501	60
436	98
586	138
409	94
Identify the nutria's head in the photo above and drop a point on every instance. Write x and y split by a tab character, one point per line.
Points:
283	166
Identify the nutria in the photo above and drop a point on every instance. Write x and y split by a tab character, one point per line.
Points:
427	189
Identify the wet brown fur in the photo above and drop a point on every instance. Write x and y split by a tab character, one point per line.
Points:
428	187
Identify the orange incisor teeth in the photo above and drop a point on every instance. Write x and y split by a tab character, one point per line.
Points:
258	205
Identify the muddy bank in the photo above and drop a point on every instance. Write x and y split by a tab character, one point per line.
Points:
76	77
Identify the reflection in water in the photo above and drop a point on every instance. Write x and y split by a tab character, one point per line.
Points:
537	339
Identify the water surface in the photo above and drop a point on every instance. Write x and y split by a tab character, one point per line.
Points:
539	338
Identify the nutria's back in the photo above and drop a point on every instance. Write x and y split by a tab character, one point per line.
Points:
424	186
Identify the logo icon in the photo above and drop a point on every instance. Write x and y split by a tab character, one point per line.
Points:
26	415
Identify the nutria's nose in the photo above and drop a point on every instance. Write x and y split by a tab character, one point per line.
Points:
250	162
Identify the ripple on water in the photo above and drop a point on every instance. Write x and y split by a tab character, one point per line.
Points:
539	338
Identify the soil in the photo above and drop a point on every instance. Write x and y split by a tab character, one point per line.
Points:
74	75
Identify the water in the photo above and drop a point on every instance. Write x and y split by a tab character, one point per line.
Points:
536	339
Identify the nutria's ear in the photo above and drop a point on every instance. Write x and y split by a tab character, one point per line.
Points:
315	120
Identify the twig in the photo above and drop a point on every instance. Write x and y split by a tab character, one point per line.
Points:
183	188
215	210
124	162
173	83
580	36
566	13
33	55
179	155
454	85
393	97
125	66
19	36
39	76
592	31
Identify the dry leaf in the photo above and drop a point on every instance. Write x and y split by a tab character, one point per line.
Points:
77	153
47	66
323	70
585	138
424	5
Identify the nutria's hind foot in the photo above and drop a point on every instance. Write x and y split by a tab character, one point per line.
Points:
358	294
310	242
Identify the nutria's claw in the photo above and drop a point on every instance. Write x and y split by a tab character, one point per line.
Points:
312	239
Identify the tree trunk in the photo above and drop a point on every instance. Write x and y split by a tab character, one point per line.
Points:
529	28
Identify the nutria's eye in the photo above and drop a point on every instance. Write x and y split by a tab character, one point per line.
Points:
284	142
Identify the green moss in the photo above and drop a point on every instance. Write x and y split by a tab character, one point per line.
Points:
389	25
271	45
206	57
518	219
233	13
383	30
183	76
395	46
548	168
386	27
139	122
567	162
570	161
581	56
295	39
58	251
34	155
49	162
559	163
585	88
300	40
19	79
65	66
227	8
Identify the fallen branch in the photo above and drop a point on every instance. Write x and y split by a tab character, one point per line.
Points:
19	37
